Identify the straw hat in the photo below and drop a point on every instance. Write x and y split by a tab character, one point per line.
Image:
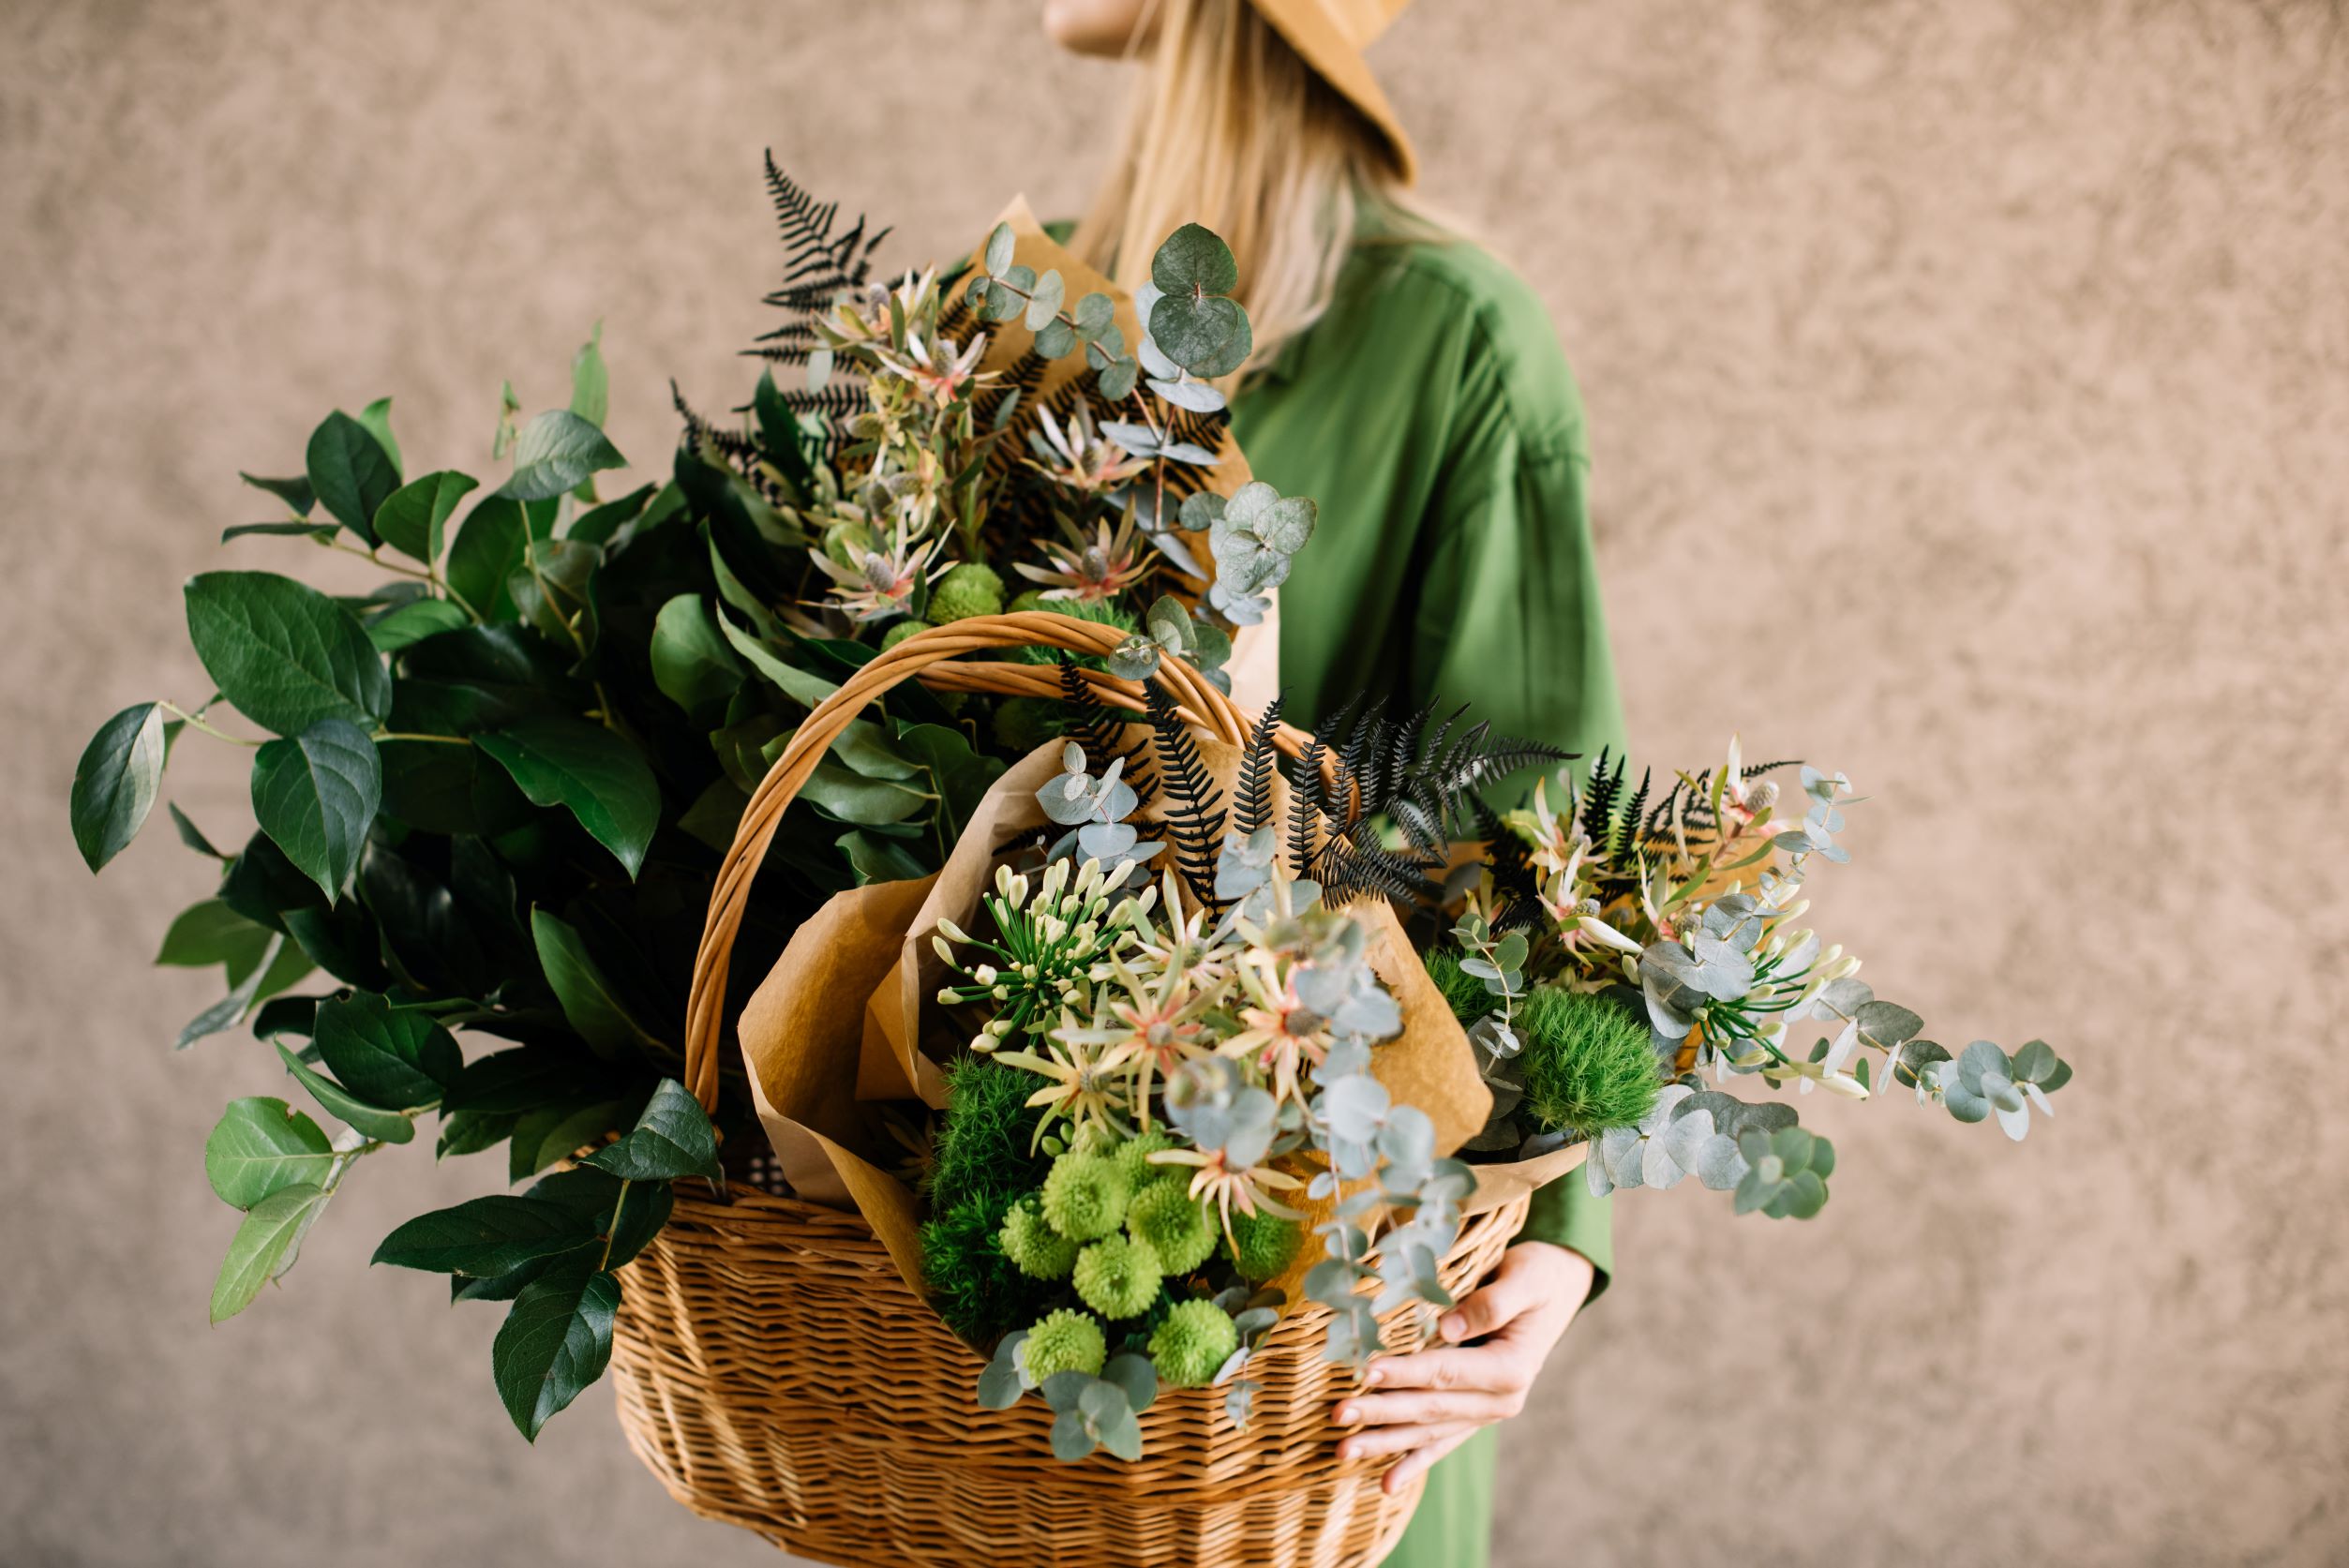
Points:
1331	35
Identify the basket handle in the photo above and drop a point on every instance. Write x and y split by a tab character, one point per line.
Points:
1200	703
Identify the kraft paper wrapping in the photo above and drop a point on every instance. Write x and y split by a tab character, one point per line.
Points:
1255	663
801	1040
818	1063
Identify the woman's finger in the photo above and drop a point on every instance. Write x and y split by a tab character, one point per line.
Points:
1427	1409
1494	1369
1401	1440
1417	1463
1507	1295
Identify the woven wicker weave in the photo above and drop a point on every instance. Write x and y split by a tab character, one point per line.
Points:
776	1371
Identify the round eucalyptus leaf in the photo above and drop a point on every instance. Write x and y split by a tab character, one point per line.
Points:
1194	259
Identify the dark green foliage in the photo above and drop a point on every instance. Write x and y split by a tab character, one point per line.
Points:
1587	1063
1261	1245
976	1289
1463	993
982	1150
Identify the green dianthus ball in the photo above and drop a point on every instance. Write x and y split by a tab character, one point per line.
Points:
1173	1223
899	631
1463	993
1063	1341
1101	612
1263	1244
1133	1158
1588	1064
1118	1276
1033	1245
1024	723
1085	1195
966	590
1191	1347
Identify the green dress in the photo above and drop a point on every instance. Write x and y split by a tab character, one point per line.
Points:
1430	416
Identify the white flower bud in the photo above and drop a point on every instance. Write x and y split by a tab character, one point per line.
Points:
949	932
984	974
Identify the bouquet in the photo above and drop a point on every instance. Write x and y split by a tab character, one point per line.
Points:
489	796
1179	1108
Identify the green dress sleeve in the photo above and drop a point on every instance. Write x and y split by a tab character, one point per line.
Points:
1509	611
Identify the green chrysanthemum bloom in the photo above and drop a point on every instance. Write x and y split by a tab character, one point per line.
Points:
1588	1064
1118	1276
1463	993
1063	1341
1191	1347
1033	1245
1133	1158
1085	1195
1263	1244
966	590
1173	1223
899	633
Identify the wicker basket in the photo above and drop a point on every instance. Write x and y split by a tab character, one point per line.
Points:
776	1372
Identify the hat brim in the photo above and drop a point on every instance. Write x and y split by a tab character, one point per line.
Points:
1309	31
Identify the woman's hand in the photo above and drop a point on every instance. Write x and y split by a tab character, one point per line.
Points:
1443	1394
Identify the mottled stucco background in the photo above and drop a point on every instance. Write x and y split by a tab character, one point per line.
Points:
1987	360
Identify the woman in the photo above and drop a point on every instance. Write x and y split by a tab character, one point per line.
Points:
1414	387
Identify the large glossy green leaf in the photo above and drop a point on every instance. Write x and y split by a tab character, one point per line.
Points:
389	1126
412	518
489	547
413	621
580	987
398	1058
283	653
542	1138
867	802
279	964
691	662
556	451
295	492
350	472
672	1138
376	417
211	932
114	783
261	1146
527	1078
264	1247
316	796
591	383
555	1343
602	779
486	1236
809	689
958	775
629	1214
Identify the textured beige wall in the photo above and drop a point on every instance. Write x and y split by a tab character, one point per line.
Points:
1994	354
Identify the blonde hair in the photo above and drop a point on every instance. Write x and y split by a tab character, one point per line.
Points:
1231	128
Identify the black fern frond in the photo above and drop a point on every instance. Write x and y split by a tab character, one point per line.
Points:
1347	870
1626	834
1188	796
818	263
1596	812
732	445
1100	732
1308	792
1253	786
839	400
